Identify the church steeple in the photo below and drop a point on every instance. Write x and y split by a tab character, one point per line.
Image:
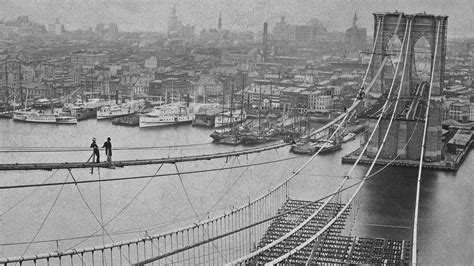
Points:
354	20
219	24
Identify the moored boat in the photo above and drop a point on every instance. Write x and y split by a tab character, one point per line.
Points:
39	117
114	111
165	115
326	146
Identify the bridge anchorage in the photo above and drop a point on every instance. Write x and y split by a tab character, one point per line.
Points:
278	229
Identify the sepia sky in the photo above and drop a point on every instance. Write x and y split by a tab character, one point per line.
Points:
152	15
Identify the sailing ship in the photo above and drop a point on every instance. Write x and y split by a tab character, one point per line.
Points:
229	118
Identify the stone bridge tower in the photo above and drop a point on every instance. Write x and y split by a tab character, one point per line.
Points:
420	55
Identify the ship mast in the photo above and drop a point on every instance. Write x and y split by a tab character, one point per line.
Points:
231	101
21	89
92	85
7	91
242	100
259	107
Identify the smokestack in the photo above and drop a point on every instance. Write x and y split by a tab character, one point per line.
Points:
265	40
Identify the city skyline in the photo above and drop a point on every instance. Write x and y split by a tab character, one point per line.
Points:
152	15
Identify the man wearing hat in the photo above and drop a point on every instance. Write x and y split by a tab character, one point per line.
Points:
96	150
108	149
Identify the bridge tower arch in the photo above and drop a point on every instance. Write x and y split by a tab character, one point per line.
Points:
422	26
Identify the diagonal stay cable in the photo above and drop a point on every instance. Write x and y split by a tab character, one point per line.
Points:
46	217
28	195
123	209
232	185
92	212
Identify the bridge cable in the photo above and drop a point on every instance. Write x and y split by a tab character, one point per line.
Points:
382	112
320	208
361	183
303	223
422	153
325	203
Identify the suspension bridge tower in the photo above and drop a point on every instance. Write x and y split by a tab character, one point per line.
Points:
409	56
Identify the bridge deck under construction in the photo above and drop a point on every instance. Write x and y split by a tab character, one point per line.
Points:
331	247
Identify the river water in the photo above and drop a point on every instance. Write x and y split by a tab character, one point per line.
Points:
386	203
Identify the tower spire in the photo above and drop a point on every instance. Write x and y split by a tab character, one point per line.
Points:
219	24
354	20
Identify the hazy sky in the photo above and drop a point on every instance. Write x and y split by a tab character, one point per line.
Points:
152	15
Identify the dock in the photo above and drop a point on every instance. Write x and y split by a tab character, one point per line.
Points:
449	166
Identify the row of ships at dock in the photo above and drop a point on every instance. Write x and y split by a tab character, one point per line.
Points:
131	113
232	125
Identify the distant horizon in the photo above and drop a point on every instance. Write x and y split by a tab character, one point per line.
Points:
237	15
